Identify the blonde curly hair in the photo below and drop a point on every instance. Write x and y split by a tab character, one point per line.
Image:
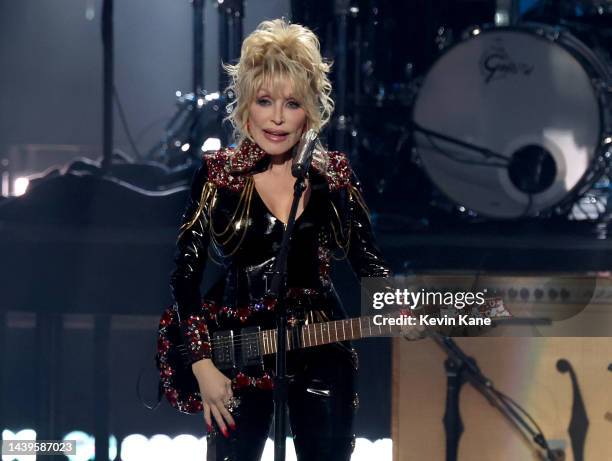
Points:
278	50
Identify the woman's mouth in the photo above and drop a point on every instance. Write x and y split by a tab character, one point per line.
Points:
275	136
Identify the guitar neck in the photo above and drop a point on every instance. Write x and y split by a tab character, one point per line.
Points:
317	334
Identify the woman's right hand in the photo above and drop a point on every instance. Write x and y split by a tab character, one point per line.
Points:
216	391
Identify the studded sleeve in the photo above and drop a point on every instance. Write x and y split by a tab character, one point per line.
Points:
190	260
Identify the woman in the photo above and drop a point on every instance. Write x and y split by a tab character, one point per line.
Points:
238	209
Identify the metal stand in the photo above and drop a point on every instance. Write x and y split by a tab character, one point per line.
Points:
453	426
277	292
108	79
231	14
200	115
182	132
341	11
460	367
48	338
102	370
198	46
507	12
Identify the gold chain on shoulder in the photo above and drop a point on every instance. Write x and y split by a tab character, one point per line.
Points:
358	197
208	191
240	216
344	241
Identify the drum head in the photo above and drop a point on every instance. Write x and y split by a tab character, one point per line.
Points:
526	99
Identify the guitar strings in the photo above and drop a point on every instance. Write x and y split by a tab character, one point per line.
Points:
228	340
220	341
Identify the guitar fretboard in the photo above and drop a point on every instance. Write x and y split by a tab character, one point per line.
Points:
317	334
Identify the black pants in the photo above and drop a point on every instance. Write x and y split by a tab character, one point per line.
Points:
321	404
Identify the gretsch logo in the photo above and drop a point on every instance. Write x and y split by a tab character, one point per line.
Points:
496	64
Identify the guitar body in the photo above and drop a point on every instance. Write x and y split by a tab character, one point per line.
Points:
235	347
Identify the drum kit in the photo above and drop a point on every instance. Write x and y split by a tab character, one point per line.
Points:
508	122
513	122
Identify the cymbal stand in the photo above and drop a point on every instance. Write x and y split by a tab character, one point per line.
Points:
108	83
183	135
507	12
231	14
346	120
341	12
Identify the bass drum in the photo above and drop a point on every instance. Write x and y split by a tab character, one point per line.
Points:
513	122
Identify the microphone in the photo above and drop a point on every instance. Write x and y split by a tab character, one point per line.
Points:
303	158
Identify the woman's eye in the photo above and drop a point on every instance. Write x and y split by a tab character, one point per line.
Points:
263	101
294	104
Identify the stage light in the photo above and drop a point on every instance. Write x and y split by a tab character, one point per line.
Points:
162	448
185	147
86	446
189	448
211	144
137	447
20	186
25	434
268	453
134	447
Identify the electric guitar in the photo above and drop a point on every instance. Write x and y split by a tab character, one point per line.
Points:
238	349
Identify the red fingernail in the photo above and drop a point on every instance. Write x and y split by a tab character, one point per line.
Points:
209	428
232	427
225	433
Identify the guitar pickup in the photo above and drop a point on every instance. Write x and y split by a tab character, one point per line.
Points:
250	351
223	350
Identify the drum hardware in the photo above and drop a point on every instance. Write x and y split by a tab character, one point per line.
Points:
506	12
198	123
594	204
444	38
231	15
193	128
341	15
483	151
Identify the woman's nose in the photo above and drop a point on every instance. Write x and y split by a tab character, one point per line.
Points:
277	116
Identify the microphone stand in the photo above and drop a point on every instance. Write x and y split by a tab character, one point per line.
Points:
460	368
277	292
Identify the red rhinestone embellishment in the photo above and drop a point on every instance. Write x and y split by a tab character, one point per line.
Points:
243	314
241	381
265	382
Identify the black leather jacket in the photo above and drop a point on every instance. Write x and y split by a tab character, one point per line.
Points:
227	222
